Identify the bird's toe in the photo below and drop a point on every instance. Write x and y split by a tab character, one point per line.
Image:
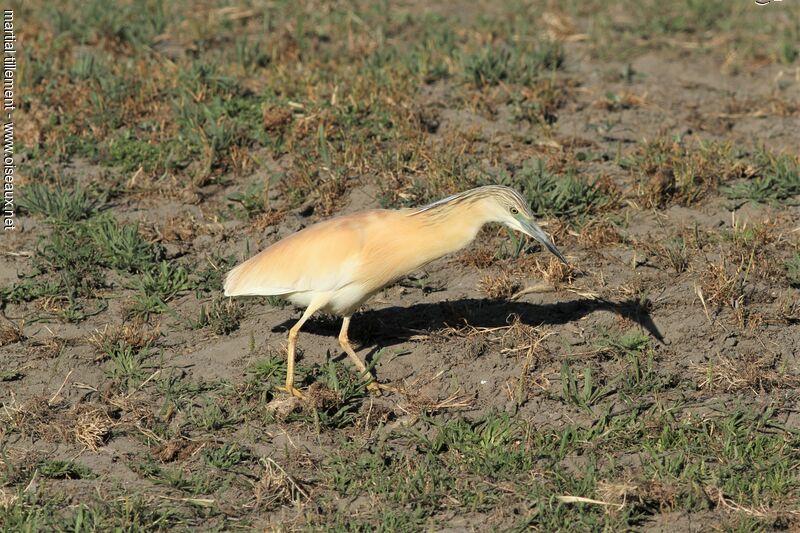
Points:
377	388
292	391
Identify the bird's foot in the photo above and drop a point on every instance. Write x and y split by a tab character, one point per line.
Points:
377	388
292	391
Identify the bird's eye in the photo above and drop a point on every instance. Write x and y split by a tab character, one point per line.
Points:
514	211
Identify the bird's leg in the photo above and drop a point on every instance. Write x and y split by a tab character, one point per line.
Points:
344	342
292	343
290	362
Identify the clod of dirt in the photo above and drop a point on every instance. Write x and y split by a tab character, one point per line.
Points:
282	407
375	414
177	449
10	333
320	396
270	218
661	186
179	229
429	120
275	117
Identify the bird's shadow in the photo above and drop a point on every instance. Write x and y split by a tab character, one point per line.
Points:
394	325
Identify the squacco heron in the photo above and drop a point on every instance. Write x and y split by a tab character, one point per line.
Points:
338	264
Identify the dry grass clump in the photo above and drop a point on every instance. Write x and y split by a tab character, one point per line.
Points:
759	243
31	418
136	335
556	272
760	107
282	406
92	427
598	232
498	286
672	253
39	418
746	236
17	466
516	337
551	270
672	172
417	403
48	348
660	187
11	333
540	102
272	217
644	492
478	257
722	284
617	102
275	118
757	373
374	415
747	254
320	396
788	310
276	487
7	498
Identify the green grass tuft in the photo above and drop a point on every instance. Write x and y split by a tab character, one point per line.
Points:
121	247
58	205
157	287
793	270
127	364
222	316
64	470
227	456
564	196
493	64
778	178
130	153
340	394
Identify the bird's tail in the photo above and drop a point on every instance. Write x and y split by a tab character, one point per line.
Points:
248	279
232	285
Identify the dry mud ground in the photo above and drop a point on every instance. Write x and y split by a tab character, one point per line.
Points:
652	386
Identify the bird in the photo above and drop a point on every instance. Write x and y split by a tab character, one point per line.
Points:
336	265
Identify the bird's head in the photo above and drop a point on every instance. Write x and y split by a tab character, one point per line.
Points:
508	207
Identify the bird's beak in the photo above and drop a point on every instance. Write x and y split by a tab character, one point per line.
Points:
531	229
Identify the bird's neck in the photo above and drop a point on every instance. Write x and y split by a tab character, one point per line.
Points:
448	232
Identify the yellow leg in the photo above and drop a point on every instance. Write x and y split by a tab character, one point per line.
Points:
344	342
293	333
